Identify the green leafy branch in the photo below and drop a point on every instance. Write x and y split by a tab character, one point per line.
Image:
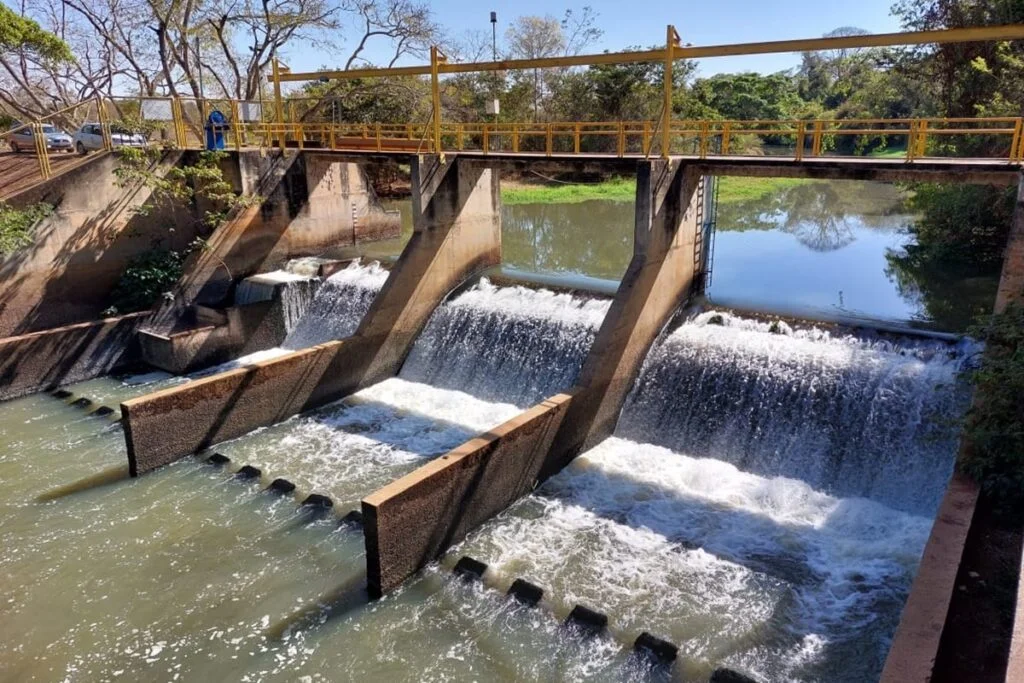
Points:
16	225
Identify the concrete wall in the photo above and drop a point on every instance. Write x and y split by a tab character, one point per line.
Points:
79	252
1011	283
74	353
415	519
457	232
311	203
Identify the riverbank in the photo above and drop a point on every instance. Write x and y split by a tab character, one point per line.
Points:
731	190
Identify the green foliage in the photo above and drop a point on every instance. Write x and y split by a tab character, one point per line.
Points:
148	277
966	225
20	33
16	225
995	423
615	189
735	189
203	179
749	96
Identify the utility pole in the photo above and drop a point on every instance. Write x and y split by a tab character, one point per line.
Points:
494	35
494	57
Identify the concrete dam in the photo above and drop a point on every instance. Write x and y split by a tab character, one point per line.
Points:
311	466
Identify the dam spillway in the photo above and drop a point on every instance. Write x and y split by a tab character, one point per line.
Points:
708	537
766	545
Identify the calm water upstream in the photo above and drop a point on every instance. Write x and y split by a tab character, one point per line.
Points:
822	249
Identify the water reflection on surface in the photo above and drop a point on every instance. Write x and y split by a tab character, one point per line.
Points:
830	248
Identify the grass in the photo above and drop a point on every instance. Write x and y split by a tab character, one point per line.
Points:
614	189
732	189
889	153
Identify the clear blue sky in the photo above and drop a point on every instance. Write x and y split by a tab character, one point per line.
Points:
637	22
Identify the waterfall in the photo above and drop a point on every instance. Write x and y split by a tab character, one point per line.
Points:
509	344
851	416
293	291
338	306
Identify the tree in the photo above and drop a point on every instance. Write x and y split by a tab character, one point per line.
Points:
19	34
216	48
23	43
534	37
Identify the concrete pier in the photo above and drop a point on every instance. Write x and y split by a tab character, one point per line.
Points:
457	232
416	518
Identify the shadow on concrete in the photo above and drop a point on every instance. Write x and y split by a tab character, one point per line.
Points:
978	632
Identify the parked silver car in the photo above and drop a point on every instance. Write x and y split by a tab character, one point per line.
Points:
89	137
56	139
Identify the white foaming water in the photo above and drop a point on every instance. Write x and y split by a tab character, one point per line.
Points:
763	574
852	417
241	362
510	344
294	293
781	533
338	306
347	450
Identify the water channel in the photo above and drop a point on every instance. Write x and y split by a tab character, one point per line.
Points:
774	529
822	249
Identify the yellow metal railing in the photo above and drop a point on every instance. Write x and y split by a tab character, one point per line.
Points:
999	138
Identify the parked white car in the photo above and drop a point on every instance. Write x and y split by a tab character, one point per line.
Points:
89	138
56	139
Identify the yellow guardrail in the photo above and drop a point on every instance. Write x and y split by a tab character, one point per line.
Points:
1002	138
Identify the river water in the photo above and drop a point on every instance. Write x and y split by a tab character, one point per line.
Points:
824	249
763	505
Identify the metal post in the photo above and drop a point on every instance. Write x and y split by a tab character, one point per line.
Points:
436	57
801	134
671	40
1014	151
277	100
108	144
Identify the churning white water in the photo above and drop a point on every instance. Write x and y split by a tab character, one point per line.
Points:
848	415
509	344
514	345
338	306
781	533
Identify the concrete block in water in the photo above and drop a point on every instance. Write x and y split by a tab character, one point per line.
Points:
318	500
62	394
218	459
468	568
103	411
589	621
282	486
525	592
249	472
656	647
729	676
81	403
353	518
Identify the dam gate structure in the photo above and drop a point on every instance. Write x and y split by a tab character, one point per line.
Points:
630	380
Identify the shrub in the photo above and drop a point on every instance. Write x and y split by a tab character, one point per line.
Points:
147	278
995	422
16	225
